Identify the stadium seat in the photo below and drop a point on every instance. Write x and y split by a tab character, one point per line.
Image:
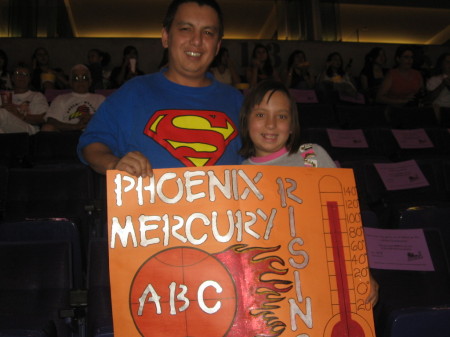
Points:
99	320
35	281
49	230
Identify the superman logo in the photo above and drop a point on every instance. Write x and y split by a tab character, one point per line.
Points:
195	137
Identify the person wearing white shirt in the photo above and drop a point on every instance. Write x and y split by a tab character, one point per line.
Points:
73	111
25	112
439	85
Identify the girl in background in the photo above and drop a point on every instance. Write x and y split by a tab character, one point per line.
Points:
261	67
373	73
298	74
97	63
223	68
337	77
128	69
403	85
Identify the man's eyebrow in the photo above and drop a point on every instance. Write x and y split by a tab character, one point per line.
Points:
182	23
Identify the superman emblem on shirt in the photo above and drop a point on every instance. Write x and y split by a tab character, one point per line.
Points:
195	137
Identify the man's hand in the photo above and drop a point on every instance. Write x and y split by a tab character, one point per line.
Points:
135	163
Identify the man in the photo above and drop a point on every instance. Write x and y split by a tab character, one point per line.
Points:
72	111
178	117
26	110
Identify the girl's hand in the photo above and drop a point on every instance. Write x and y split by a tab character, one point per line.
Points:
373	294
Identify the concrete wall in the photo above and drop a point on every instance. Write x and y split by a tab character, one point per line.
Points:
64	53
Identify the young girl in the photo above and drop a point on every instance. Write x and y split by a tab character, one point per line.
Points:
270	133
270	130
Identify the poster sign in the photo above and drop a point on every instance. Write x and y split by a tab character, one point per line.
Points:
398	249
402	175
238	251
347	138
412	139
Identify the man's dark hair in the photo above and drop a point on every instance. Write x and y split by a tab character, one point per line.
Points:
173	7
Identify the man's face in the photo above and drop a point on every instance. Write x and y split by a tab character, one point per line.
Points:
193	42
94	57
42	57
21	78
80	80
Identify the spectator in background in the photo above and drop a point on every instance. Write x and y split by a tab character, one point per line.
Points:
403	85
128	69
223	68
5	79
261	67
336	78
25	112
438	86
298	74
97	63
373	73
72	111
45	77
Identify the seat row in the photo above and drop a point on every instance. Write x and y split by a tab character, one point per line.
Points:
380	143
67	191
416	303
23	150
352	116
388	188
42	267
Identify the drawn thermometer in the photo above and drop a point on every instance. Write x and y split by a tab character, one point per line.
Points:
341	248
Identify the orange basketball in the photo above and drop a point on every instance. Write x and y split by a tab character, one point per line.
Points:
183	292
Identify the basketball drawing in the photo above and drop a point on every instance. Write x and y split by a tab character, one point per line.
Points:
181	292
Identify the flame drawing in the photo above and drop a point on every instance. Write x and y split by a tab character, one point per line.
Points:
259	293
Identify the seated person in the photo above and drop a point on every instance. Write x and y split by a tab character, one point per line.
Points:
373	73
128	69
261	67
438	85
298	74
402	85
26	110
97	63
337	78
44	76
223	68
72	111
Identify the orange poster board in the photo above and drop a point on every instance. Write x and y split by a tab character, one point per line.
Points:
238	251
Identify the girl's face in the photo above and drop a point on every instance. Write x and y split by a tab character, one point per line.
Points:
261	54
132	54
381	58
94	57
336	62
42	57
270	123
406	59
299	58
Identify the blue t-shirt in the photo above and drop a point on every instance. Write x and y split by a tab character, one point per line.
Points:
171	124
